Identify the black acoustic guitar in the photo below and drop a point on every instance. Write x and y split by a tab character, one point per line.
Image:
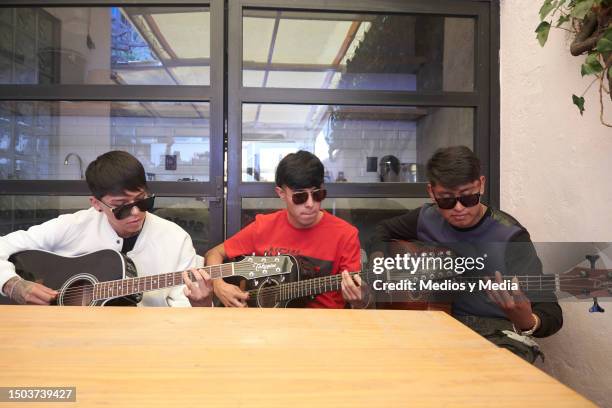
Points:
282	290
108	277
579	282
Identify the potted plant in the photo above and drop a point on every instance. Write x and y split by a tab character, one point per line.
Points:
590	25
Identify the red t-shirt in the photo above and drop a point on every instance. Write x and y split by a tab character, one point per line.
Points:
329	247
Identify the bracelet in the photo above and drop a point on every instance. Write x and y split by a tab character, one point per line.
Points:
530	331
10	294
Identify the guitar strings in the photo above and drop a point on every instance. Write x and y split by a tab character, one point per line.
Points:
73	293
89	288
79	292
525	281
302	286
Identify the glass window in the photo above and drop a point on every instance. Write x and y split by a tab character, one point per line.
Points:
105	45
22	212
355	143
191	214
287	49
57	140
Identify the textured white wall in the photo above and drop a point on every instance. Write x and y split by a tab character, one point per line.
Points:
556	179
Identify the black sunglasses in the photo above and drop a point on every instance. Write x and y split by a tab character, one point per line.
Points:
124	210
300	197
448	203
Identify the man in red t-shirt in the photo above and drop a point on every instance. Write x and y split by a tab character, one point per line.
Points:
323	244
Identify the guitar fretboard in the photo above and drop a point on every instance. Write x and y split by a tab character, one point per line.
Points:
309	287
130	286
535	283
316	286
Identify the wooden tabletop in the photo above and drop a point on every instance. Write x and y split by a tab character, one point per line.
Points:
163	357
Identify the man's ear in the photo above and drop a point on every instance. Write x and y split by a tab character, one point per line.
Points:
430	192
94	203
281	193
483	180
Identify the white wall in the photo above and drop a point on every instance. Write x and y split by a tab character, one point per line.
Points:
556	179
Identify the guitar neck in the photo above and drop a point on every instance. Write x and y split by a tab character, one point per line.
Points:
527	283
126	287
316	286
309	287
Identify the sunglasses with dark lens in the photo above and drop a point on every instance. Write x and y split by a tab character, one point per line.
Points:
448	203
124	210
300	197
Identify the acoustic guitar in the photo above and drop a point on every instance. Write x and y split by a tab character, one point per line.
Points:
282	290
108	277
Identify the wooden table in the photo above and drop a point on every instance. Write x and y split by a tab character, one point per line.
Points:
162	357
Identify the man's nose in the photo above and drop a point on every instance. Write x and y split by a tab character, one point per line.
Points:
310	201
458	206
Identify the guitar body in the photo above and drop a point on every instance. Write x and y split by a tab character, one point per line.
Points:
412	300
262	292
73	277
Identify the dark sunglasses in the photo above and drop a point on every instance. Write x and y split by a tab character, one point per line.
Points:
448	203
300	197
124	210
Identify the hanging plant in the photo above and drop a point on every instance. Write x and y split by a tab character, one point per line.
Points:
590	24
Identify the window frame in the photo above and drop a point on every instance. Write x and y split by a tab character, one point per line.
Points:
484	99
214	94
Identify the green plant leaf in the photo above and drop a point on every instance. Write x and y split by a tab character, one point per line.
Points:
604	45
542	31
562	20
591	66
546	8
579	102
581	8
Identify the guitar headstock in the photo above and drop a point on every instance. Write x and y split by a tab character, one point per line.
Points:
587	282
256	267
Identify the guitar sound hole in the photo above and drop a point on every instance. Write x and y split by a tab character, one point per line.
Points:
79	293
267	294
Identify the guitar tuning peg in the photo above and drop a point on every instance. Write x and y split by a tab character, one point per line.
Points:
592	259
596	307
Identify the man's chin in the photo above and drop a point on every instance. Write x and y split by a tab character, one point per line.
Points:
461	222
305	222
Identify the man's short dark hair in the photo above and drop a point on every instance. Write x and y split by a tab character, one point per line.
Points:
453	166
114	173
300	170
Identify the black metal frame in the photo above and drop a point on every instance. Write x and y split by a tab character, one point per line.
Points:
226	98
214	94
484	99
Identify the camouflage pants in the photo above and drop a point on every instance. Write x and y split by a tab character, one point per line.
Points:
500	332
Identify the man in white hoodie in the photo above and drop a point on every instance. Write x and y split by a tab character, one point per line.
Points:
118	219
